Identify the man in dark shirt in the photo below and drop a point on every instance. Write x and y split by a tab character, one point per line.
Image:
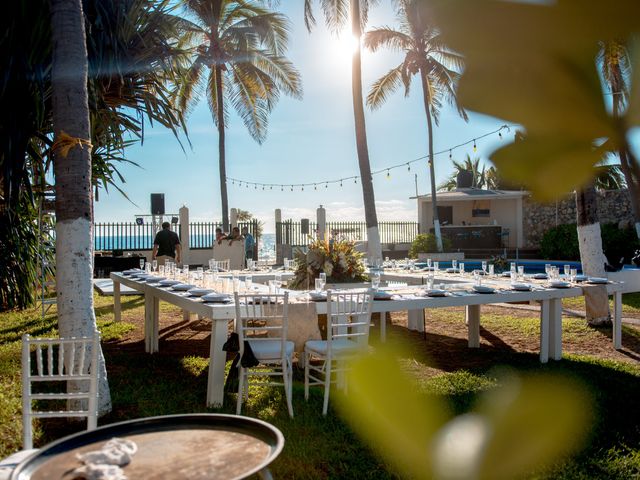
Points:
166	245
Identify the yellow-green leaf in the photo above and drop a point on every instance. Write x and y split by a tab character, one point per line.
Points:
383	406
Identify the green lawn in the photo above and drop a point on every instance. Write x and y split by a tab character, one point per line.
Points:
316	447
630	303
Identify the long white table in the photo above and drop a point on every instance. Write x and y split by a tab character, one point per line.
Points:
220	315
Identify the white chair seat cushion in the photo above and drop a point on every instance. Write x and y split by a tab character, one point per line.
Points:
339	346
269	349
7	465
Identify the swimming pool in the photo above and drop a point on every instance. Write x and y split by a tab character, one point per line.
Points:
530	266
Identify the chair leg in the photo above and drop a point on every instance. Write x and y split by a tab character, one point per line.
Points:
27	432
327	385
241	374
286	378
307	357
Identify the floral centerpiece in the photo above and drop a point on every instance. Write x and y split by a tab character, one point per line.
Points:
338	258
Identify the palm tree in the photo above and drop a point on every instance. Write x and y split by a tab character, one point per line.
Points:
473	166
242	45
336	15
426	55
72	169
616	70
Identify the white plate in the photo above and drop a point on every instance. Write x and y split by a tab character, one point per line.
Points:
198	292
168	282
435	292
506	273
597	280
559	284
216	297
155	279
132	271
182	287
379	295
521	287
540	276
451	270
581	278
318	296
483	289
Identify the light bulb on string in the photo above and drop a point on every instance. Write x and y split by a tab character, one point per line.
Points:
355	180
292	188
341	182
500	135
388	174
302	188
450	156
408	167
315	187
255	187
281	188
475	149
326	185
271	187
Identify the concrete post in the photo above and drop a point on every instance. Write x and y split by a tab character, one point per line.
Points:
278	219
234	217
183	215
321	218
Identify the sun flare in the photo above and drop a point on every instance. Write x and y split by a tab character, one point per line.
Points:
344	46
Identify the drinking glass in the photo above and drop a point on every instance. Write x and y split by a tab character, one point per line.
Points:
248	283
211	263
142	263
161	270
436	266
154	264
512	267
272	286
521	272
567	270
200	273
318	285
429	282
286	263
491	269
429	262
185	269
514	279
477	277
454	264
277	282
323	280
573	274
484	266
375	281
547	269
461	267
147	267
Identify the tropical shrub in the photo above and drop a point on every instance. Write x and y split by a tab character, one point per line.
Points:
426	243
561	243
337	258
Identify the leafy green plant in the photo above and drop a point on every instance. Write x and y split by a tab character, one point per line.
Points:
338	258
560	243
618	243
426	243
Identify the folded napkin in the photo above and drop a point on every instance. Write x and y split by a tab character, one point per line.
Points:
104	464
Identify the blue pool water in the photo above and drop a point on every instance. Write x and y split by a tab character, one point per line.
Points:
530	266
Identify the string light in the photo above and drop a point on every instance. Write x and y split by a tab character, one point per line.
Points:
386	170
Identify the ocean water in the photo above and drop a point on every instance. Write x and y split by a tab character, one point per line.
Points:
266	244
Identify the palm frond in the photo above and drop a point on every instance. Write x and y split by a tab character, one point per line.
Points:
387	37
383	87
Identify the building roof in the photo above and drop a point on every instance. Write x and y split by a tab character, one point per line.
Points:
462	194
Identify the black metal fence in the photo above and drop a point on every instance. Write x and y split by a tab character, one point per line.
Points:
133	237
292	233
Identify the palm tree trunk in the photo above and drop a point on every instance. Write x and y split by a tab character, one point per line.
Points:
72	169
432	173
374	248
591	254
221	149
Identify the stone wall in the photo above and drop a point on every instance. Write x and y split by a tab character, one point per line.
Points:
614	206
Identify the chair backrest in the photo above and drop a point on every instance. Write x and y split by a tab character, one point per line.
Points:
262	318
66	366
290	264
221	265
348	316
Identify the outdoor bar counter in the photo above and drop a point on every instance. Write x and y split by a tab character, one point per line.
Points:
473	236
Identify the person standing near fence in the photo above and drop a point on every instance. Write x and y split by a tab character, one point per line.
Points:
249	244
166	245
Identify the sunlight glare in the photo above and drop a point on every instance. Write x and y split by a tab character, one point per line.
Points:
344	46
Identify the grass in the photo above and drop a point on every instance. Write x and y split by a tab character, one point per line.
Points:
630	304
316	447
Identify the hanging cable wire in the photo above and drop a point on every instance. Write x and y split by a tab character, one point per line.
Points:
385	170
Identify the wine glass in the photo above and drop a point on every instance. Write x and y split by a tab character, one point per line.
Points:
461	265
323	280
436	266
484	266
567	270
248	282
142	263
454	264
277	282
375	280
429	263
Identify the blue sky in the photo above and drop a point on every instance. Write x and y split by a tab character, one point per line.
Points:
309	140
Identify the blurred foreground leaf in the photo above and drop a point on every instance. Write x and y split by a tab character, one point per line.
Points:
383	406
526	424
534	64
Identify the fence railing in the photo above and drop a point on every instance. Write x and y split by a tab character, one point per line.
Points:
133	237
291	232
